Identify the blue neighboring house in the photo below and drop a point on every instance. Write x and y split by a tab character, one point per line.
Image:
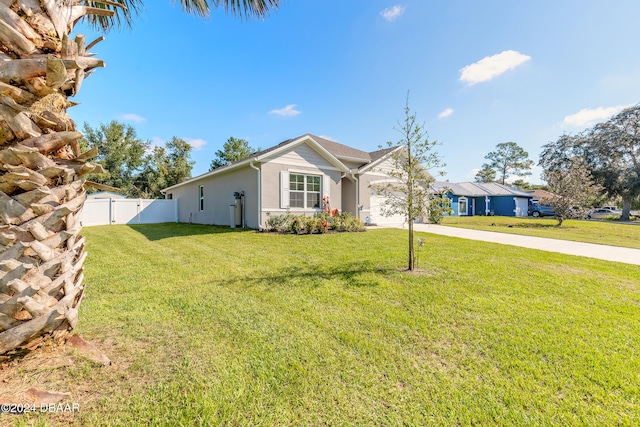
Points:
475	198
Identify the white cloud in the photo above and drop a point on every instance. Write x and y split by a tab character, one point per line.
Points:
472	173
445	113
288	111
392	13
589	116
156	141
490	67
196	143
513	178
130	117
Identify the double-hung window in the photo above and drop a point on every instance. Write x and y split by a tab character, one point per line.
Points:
304	191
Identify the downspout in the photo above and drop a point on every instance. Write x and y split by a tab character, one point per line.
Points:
357	195
259	194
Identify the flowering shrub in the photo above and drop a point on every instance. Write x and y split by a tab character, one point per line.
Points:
320	223
299	224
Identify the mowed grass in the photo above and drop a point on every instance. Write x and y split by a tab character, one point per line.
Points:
601	232
211	327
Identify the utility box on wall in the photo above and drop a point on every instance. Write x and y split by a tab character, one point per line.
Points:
235	211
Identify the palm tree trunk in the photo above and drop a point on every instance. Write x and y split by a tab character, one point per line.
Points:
41	170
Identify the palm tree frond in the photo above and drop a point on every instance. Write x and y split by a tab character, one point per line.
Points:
126	10
244	8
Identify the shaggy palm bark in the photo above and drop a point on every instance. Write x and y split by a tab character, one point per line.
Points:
41	168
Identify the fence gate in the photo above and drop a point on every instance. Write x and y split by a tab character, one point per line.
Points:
128	211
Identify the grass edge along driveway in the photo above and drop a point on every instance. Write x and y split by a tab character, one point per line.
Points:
599	232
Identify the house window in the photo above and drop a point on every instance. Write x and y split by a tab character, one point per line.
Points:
462	206
304	191
201	194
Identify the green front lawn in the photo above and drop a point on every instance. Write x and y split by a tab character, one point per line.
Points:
211	327
601	232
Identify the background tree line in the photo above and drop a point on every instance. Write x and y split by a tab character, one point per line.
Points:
584	170
138	169
134	166
600	163
606	156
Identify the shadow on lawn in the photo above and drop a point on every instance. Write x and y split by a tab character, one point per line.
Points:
169	229
352	275
530	225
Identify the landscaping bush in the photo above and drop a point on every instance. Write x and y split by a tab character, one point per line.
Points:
347	222
299	224
280	223
320	223
437	209
317	225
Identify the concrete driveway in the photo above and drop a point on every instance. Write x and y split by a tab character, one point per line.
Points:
591	250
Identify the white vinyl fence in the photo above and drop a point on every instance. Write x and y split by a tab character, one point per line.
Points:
128	211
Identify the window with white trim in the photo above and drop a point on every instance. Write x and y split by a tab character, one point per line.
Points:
304	191
201	196
463	206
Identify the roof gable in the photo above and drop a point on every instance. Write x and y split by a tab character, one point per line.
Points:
378	157
292	143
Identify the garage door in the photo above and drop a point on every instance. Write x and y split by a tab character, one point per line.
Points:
376	216
522	206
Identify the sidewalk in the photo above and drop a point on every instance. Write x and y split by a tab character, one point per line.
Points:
590	250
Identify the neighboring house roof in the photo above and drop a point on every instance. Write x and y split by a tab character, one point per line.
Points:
540	194
477	189
333	151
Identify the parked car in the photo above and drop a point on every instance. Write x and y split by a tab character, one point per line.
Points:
601	213
537	210
612	209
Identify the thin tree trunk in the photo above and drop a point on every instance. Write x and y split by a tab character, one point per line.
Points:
41	171
411	248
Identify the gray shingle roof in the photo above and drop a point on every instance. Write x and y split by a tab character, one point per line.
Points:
476	189
340	151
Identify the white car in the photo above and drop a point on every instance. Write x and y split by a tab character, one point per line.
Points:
612	209
604	212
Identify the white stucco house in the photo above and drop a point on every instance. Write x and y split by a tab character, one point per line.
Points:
292	176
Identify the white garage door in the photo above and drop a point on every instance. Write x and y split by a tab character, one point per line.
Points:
522	206
376	216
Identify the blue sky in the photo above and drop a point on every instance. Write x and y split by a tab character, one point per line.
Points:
479	73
